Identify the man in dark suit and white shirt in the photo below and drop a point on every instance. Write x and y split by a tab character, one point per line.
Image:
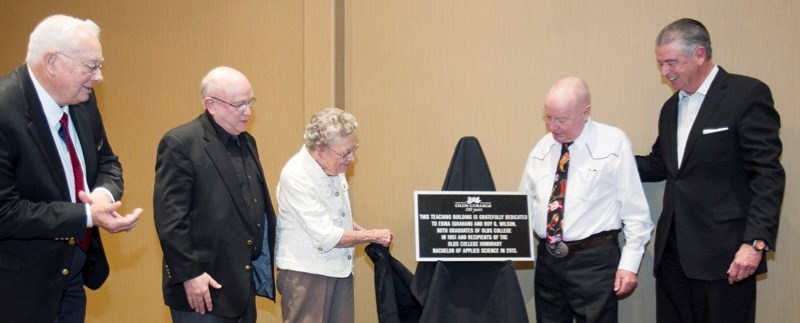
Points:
719	151
59	178
212	208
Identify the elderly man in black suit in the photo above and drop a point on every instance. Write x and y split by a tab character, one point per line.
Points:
719	151
59	178
212	208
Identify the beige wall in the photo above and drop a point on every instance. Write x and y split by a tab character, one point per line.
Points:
418	75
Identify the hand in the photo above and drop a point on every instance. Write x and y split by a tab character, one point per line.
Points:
744	263
198	294
98	196
104	214
381	236
624	282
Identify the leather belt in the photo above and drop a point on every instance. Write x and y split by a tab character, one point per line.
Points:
592	241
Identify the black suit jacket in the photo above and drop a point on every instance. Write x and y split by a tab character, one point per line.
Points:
201	220
38	221
730	185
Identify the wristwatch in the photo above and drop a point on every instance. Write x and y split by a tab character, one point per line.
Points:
759	245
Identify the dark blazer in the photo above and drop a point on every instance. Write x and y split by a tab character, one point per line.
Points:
201	220
38	221
730	185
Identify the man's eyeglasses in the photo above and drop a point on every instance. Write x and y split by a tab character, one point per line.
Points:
345	155
93	68
241	106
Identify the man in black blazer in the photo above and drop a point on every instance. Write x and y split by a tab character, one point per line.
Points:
719	151
212	208
59	178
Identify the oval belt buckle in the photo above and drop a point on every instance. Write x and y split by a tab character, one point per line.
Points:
558	249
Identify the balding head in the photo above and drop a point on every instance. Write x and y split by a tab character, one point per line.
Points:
228	97
567	108
221	80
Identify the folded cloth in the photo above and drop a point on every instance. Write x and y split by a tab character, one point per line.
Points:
395	302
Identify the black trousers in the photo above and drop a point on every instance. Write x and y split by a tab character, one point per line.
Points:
579	286
682	299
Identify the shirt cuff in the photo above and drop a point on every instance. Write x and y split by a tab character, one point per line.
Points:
630	260
103	189
89	222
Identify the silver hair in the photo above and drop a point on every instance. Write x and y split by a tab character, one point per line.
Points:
327	125
58	32
691	33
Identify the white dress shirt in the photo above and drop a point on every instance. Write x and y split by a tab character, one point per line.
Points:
314	212
603	189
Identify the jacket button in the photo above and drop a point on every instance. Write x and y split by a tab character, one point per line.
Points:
71	241
249	243
349	257
248	268
64	272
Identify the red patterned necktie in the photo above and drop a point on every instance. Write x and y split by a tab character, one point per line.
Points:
77	172
555	208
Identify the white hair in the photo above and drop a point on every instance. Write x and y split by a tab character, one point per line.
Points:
58	32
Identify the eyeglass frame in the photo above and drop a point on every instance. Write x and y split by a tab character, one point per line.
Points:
240	107
344	156
93	68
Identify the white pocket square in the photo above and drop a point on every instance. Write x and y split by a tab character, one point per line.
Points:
708	131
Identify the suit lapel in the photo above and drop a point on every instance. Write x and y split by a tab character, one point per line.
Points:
222	162
41	134
711	104
254	152
670	139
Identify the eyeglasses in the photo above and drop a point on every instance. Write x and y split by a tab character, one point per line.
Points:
346	155
241	106
93	68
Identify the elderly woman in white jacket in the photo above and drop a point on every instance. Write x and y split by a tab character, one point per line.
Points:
316	233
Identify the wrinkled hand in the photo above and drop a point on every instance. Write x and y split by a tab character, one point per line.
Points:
744	263
198	294
624	282
105	215
381	236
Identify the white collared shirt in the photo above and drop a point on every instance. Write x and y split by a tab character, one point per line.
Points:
314	211
604	191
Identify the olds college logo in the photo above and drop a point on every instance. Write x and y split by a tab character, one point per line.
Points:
473	204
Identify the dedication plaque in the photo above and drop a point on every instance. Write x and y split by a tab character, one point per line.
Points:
472	226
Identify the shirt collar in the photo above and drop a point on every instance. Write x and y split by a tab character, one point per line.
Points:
222	135
706	83
583	138
52	111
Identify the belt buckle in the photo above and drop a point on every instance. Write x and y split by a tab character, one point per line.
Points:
558	249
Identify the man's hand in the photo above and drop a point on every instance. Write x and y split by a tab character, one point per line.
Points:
105	215
744	263
98	196
197	292
624	282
